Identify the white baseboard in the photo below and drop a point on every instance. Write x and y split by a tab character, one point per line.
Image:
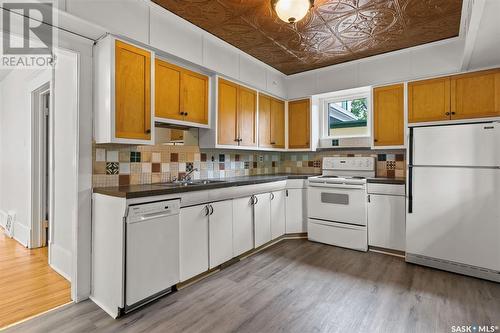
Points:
22	233
60	261
3	218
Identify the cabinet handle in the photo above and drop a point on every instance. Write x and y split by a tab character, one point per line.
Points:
256	200
207	210
272	196
453	113
273	143
185	113
447	113
211	209
148	131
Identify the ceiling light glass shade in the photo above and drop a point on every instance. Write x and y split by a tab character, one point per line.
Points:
291	11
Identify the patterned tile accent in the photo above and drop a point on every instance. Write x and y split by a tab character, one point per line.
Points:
112	168
177	160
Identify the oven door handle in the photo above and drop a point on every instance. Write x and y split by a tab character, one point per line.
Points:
334	186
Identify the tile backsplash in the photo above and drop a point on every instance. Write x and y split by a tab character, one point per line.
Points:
115	165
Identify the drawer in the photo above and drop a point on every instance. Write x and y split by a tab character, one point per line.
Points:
388	189
344	235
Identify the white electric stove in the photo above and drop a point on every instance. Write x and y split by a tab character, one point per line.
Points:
338	202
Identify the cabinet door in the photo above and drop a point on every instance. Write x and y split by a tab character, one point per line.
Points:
247	113
278	213
262	219
386	221
194	97
193	241
168	90
242	226
299	124
227	113
475	95
221	232
264	121
277	123
132	92
388	117
429	100
296	207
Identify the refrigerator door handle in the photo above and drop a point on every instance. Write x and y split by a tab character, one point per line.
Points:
410	173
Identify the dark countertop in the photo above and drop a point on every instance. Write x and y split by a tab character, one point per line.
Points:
147	190
393	181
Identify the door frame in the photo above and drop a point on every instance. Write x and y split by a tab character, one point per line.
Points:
41	85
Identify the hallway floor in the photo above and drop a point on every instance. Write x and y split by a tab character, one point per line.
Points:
28	286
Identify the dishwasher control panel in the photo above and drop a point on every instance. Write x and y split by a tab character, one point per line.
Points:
163	208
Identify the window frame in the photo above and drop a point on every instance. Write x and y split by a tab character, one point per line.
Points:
365	92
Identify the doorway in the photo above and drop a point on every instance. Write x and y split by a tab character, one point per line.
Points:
41	154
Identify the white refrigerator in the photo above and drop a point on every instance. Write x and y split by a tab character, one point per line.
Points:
453	218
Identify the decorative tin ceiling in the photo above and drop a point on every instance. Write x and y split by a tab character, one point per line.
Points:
335	31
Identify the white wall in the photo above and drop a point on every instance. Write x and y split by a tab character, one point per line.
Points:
15	140
486	50
65	167
148	23
418	62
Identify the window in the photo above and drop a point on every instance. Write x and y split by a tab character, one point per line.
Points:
347	114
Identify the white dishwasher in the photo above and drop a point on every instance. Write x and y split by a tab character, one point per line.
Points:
151	251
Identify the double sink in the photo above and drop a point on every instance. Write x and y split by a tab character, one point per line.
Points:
187	183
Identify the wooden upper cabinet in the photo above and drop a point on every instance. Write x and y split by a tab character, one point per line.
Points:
167	90
277	123
132	92
271	122
429	100
181	94
475	95
236	114
247	119
388	115
194	97
299	124
264	121
227	113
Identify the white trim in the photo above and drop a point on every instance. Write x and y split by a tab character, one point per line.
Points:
338	96
454	122
37	169
21	233
61	255
40	79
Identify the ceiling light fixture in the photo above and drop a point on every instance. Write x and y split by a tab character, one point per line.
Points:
291	11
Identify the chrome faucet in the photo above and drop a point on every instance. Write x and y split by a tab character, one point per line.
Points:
187	176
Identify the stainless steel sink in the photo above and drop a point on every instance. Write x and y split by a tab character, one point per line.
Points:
187	183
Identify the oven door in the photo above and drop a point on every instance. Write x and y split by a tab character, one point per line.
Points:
337	203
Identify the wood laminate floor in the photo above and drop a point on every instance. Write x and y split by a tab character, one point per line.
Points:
28	286
299	286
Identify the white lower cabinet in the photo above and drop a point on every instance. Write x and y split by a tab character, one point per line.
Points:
278	214
262	218
220	228
296	210
387	217
193	241
242	225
